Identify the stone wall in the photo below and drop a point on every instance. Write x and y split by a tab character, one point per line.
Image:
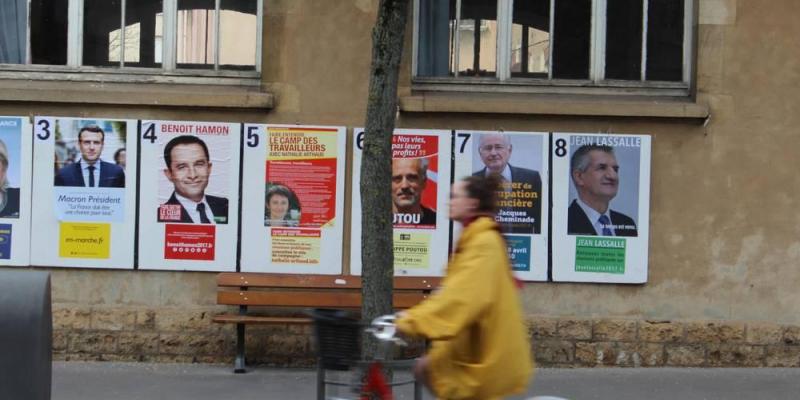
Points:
188	335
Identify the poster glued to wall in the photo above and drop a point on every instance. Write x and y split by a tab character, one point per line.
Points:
293	199
84	193
601	207
521	160
16	152
189	195
420	190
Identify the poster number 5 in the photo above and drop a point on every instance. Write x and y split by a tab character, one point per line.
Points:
252	136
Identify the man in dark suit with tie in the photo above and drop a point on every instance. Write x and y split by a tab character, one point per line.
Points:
90	170
595	173
188	168
495	151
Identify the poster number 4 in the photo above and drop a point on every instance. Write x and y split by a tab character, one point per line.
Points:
150	133
44	128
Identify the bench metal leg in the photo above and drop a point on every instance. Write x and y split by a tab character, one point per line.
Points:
320	381
417	390
238	364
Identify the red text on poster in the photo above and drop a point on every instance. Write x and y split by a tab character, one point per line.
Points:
189	242
415	164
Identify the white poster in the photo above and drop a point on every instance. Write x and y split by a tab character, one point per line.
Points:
189	195
16	153
84	193
293	199
521	159
420	189
601	207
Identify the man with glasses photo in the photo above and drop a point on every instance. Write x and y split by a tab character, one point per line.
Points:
495	150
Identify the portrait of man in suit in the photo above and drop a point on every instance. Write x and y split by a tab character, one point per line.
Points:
409	178
495	150
188	167
90	170
595	173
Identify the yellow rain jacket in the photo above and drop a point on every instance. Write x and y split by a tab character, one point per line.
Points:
480	349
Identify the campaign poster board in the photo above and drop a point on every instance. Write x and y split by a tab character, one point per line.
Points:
601	207
293	198
16	153
521	158
189	195
420	238
84	193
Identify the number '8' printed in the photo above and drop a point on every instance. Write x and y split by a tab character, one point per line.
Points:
561	147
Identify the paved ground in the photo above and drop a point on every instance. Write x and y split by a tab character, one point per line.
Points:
122	381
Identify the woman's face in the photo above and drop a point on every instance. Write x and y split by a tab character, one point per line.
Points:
278	206
3	170
461	206
122	159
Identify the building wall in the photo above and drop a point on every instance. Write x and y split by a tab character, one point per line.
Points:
724	247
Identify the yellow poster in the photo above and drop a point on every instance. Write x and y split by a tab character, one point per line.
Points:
84	240
296	246
411	249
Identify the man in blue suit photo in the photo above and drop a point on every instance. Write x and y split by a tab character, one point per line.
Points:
495	151
188	167
90	170
595	172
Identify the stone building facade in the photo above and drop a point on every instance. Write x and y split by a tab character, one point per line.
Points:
724	247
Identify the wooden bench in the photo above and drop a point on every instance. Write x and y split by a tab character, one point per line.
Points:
301	291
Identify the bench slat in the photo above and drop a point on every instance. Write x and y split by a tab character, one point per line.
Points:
256	319
310	298
233	279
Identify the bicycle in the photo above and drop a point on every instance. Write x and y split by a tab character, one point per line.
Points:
338	341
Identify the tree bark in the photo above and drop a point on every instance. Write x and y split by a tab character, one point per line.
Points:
376	165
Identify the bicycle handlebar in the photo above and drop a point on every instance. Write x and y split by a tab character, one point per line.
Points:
385	329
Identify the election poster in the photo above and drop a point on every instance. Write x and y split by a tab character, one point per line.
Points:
520	161
293	198
601	207
189	195
16	152
420	188
84	192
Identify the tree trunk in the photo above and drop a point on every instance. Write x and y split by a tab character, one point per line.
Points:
376	166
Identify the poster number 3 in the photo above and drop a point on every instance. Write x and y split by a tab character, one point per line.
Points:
44	129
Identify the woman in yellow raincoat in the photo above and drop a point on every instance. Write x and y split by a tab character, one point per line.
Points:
480	349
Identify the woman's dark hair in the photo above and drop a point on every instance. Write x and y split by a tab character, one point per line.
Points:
117	153
484	189
284	191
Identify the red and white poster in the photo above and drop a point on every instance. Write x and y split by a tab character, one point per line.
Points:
188	197
292	199
419	191
189	242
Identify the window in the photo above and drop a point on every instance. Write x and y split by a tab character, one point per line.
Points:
160	35
578	43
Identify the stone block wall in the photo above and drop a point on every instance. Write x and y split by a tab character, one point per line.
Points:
644	343
189	336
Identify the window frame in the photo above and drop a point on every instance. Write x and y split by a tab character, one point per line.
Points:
595	84
167	73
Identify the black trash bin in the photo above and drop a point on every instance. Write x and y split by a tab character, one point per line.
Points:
26	335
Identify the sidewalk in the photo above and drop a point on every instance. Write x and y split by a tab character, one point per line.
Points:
132	381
